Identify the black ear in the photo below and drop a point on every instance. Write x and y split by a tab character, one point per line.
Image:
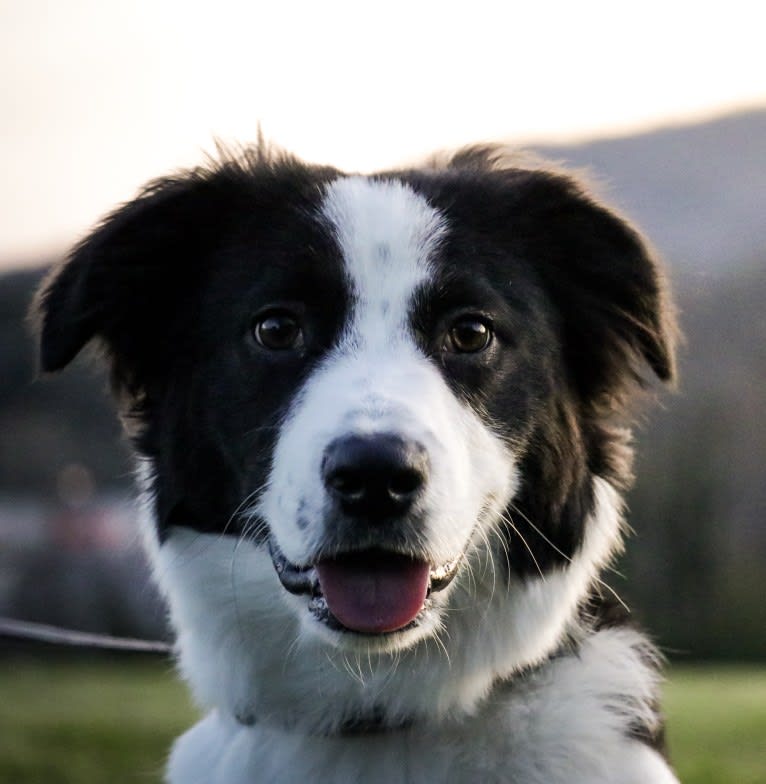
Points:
120	282
617	318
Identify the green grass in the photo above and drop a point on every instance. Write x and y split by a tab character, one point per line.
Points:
65	722
88	722
717	724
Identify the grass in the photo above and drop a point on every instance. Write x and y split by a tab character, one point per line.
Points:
90	722
717	724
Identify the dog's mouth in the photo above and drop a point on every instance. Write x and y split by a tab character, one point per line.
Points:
368	591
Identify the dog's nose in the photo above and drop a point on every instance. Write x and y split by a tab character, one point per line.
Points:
375	476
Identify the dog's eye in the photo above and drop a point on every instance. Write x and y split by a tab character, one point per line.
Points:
277	332
468	335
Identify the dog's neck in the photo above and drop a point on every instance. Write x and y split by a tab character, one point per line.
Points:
373	724
588	710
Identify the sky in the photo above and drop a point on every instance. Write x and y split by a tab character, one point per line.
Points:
97	97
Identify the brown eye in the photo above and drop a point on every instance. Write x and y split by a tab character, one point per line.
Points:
278	332
468	335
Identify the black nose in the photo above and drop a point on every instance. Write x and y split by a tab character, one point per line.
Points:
377	476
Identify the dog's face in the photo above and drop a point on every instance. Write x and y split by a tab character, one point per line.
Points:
396	391
393	459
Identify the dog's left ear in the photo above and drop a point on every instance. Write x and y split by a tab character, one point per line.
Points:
617	317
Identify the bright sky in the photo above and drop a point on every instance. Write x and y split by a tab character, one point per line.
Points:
97	96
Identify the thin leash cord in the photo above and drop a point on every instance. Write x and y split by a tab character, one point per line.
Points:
54	635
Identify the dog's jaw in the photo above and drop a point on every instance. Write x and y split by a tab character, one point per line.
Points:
246	648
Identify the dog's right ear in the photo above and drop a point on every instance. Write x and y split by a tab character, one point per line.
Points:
122	282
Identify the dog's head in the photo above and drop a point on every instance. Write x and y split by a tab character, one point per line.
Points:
401	390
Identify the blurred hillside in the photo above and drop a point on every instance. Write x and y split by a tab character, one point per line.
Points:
696	566
697	190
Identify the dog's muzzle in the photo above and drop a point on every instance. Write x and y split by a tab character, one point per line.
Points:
366	579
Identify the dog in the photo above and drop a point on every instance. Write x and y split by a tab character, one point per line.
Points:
380	424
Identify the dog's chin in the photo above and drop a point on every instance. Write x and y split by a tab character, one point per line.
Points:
374	599
319	622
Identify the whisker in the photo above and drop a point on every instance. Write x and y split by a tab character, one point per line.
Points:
490	563
259	428
540	533
438	640
246	500
291	649
614	593
596	578
510	522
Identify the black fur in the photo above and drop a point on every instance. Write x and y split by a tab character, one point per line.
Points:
169	284
586	310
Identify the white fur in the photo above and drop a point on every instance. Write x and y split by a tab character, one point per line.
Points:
235	623
476	678
566	723
377	381
387	235
235	626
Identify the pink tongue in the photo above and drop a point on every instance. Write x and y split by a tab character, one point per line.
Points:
374	592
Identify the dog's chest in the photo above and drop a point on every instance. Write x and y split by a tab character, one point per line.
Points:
479	754
559	727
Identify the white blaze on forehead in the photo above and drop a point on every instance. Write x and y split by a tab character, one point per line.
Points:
379	381
387	234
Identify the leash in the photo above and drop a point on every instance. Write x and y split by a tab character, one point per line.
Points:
54	635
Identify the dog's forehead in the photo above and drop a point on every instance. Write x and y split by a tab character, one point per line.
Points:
387	235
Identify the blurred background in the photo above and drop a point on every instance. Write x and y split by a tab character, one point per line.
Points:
663	103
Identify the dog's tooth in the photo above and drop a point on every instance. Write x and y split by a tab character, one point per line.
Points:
318	604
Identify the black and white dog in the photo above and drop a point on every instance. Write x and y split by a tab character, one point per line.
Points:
378	420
